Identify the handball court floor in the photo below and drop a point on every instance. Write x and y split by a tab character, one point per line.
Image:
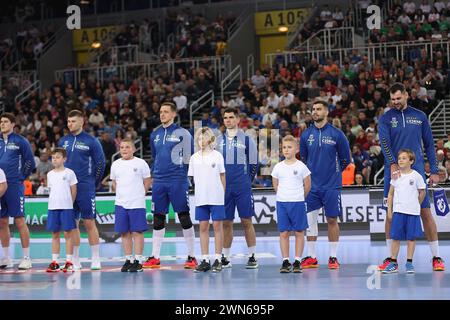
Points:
172	282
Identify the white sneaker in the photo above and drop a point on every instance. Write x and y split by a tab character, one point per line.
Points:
6	263
25	264
77	265
96	265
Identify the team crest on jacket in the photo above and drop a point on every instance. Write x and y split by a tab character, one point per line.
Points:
311	139
66	144
156	139
394	122
411	182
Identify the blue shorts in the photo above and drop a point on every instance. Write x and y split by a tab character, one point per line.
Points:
175	193
84	204
291	216
13	201
239	197
330	200
387	185
203	213
130	220
61	220
406	227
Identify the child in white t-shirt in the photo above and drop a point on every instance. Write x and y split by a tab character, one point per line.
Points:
130	181
292	182
208	169
62	183
3	184
405	197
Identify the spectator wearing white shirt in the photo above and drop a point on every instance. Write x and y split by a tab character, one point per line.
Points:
258	80
404	19
425	7
338	16
287	98
325	14
439	6
409	7
269	116
181	103
96	117
273	100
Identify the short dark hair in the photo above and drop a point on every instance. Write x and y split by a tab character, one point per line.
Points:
323	103
172	105
232	110
397	87
62	151
75	113
10	116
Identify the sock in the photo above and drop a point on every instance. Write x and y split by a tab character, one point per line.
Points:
312	249
139	258
218	256
205	257
389	246
394	260
285	259
409	260
434	246
26	252
189	236
251	250
76	254
55	256
69	258
95	251
226	252
297	258
6	252
333	249
158	236
129	257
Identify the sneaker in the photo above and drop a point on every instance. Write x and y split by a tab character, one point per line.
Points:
385	263
409	267
297	267
136	267
203	266
77	266
152	263
96	265
68	267
309	263
225	262
333	263
126	266
6	263
438	264
191	263
252	263
25	264
53	267
217	266
286	267
391	268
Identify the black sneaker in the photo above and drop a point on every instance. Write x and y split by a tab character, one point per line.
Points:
252	263
136	267
217	266
286	267
126	266
203	266
225	262
297	267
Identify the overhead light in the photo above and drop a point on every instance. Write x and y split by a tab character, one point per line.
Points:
84	2
283	29
96	45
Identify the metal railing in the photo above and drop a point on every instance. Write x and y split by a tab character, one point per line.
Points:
25	93
294	31
228	80
330	38
236	25
139	148
20	79
250	66
203	101
375	178
117	55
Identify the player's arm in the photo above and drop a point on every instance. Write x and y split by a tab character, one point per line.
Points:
385	141
275	184
113	186
146	176
343	150
28	163
252	158
153	153
147	183
223	180
390	202
73	192
99	161
428	143
3	187
421	195
303	148
307	185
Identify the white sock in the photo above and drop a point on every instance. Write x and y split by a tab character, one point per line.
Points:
297	259
26	252
218	257
389	246
205	257
76	253
251	250
69	258
284	259
189	236
434	246
129	257
333	248
95	251
6	252
158	237
226	252
312	249
139	258
55	256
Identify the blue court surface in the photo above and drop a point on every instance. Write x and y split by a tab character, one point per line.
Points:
172	282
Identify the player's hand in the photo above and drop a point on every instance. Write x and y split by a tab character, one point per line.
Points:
434	179
395	171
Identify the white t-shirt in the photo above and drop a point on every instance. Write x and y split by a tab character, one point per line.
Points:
290	181
274	102
287	100
129	176
181	102
406	193
59	183
206	170
2	179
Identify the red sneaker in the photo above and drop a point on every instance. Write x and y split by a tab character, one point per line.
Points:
191	263
309	263
438	264
152	263
53	267
385	263
333	263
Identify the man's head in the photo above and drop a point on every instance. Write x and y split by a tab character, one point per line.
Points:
319	111
399	96
75	121
231	118
167	113
7	122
